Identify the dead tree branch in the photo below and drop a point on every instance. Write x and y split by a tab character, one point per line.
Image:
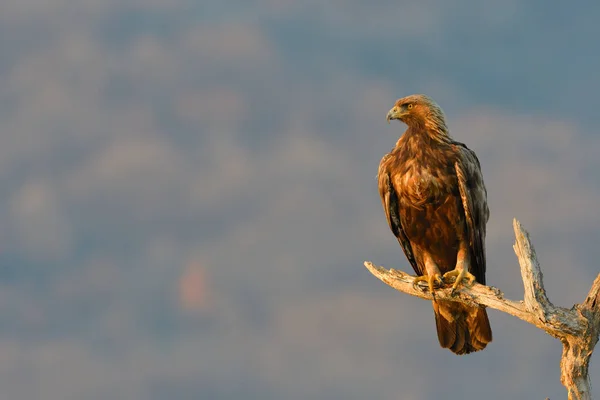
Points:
577	328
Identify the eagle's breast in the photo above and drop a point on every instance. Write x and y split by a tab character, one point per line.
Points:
421	183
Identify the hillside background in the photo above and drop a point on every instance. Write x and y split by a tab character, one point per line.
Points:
189	193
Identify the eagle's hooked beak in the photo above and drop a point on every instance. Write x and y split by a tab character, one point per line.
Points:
394	113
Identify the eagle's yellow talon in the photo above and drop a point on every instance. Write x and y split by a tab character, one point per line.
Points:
459	275
431	282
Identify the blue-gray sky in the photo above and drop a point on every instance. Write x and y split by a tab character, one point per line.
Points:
189	193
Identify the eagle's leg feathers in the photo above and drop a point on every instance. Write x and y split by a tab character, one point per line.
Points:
461	271
432	275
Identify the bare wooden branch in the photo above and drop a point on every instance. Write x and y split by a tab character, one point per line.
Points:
577	328
535	297
592	302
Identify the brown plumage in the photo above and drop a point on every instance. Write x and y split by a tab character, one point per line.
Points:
435	202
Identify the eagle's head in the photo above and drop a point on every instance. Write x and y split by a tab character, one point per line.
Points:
418	110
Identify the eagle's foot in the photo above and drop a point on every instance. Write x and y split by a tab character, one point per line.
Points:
459	274
431	280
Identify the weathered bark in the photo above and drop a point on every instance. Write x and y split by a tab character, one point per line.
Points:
577	328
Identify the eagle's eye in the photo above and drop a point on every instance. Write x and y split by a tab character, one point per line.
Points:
410	106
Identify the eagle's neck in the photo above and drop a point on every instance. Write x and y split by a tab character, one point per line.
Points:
437	131
427	134
431	126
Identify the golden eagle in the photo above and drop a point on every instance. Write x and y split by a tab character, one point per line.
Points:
435	202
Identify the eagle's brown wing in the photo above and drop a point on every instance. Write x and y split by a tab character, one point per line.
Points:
474	199
389	200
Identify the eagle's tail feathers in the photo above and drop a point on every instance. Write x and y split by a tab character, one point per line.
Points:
461	328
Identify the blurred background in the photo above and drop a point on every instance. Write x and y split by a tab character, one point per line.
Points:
189	193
